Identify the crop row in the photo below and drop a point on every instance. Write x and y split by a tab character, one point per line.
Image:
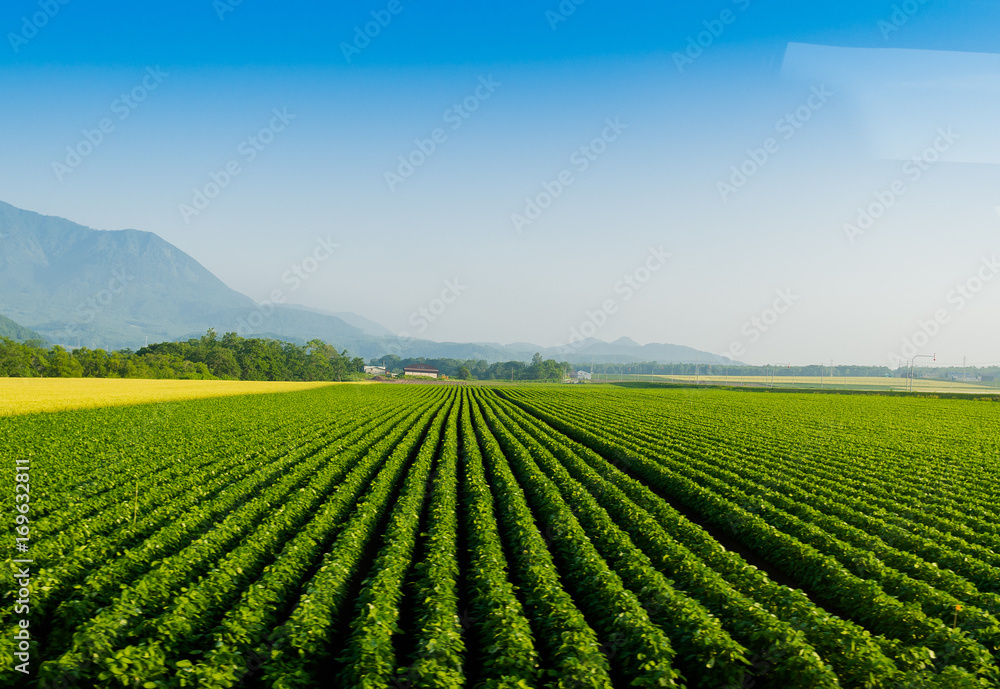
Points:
425	536
739	507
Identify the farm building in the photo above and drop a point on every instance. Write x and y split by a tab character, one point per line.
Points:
375	370
421	370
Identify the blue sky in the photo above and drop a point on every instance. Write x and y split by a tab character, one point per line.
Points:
825	107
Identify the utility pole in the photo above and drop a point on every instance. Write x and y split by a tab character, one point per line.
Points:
918	356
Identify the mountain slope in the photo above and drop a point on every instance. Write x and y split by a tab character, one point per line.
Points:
76	285
590	350
116	289
18	333
366	325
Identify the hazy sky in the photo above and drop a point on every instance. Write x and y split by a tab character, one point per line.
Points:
825	179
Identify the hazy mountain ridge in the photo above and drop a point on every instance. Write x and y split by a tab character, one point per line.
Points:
115	289
18	333
76	285
589	350
366	325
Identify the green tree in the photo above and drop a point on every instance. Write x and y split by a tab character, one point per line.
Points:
15	359
61	364
222	363
94	362
535	369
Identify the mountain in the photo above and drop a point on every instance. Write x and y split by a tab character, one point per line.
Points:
622	351
114	289
626	350
366	325
18	333
78	286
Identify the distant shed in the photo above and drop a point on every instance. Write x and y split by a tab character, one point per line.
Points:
421	371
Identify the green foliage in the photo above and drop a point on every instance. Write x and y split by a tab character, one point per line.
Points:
18	333
715	476
509	655
519	536
231	358
641	648
477	369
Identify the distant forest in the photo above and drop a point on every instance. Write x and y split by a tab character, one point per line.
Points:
630	371
549	369
479	369
843	371
209	357
231	357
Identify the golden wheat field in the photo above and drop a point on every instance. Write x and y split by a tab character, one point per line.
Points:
31	395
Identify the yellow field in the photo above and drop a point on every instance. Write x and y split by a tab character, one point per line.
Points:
31	395
860	383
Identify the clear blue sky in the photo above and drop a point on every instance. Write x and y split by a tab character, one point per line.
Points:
824	106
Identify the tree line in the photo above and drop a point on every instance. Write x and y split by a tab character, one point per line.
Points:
777	370
209	357
659	369
478	369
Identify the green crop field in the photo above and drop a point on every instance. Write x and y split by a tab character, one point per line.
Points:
519	536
